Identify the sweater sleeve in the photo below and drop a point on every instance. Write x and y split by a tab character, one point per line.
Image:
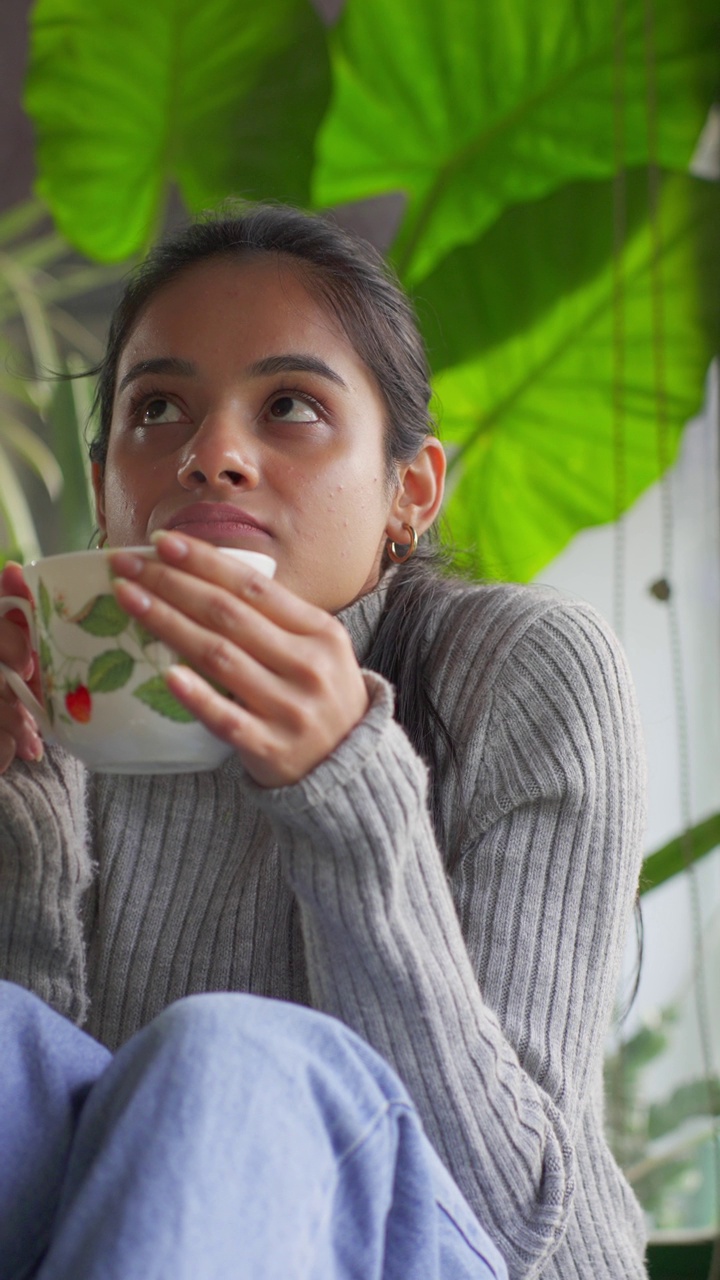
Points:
489	995
44	871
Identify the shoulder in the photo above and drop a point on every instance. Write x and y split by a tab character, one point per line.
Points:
487	622
506	641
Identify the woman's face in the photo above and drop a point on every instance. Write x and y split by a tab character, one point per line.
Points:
243	416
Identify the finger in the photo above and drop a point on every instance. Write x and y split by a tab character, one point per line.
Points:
10	750
217	656
219	714
222	613
243	651
15	647
12	581
14	631
219	613
10	700
210	564
18	736
272	760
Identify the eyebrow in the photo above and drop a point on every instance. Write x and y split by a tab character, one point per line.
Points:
294	362
159	364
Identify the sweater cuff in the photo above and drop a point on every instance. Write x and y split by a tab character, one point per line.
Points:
325	788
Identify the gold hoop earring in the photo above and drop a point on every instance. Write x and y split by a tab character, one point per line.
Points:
101	542
402	557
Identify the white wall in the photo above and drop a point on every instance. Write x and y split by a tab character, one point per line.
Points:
676	666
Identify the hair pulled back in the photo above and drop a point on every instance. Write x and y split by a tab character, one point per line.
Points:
345	274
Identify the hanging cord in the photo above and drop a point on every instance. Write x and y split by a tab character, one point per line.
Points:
618	447
714	1273
675	638
618	321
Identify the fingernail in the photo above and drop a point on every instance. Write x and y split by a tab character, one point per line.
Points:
171	543
126	565
34	751
180	677
131	596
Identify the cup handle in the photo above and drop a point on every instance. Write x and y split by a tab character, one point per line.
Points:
18	686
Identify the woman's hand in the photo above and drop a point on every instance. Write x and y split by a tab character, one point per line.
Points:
295	685
19	733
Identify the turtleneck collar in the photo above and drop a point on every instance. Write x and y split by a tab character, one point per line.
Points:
361	617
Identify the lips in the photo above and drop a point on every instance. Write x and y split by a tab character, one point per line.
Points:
214	520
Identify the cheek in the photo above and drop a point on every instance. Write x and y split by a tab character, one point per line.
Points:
123	503
360	503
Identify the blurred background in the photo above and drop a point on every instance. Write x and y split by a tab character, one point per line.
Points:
546	180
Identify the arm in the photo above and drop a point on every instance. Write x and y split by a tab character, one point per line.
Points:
496	1033
43	864
44	870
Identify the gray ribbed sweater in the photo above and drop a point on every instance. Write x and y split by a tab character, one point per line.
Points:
490	993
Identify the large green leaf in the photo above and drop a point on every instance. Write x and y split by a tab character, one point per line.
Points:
480	295
222	97
563	424
469	107
680	853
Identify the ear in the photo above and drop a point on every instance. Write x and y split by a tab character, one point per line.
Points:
421	484
98	485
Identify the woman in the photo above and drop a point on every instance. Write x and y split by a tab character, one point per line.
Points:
451	881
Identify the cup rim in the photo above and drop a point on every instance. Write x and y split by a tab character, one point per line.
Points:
146	549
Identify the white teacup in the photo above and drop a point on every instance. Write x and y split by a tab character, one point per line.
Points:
105	696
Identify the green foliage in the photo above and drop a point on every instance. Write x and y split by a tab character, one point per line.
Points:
693	1098
554	265
469	108
129	96
656	1149
678	854
42	414
563	422
18	397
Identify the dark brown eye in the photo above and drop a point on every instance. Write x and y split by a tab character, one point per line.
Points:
160	410
293	409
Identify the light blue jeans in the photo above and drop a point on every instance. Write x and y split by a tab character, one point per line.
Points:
234	1138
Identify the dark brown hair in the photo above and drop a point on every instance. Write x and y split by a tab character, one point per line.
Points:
346	274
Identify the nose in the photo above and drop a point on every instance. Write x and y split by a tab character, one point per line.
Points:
219	455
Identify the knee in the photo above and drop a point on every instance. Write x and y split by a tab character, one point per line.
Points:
224	1061
220	1024
40	1045
246	1037
17	1005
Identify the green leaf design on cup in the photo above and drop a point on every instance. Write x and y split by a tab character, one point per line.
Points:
46	661
101	616
109	670
45	603
143	636
156	695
